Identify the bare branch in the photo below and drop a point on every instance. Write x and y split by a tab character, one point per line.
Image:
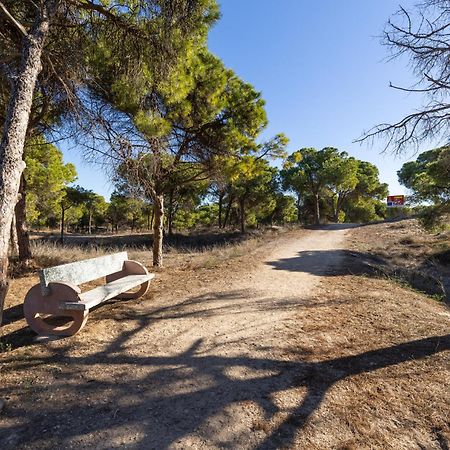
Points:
424	36
11	18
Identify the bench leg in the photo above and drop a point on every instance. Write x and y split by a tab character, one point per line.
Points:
42	313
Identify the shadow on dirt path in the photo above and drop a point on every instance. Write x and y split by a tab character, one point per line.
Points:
154	400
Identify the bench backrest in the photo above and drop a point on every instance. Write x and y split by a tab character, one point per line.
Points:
83	271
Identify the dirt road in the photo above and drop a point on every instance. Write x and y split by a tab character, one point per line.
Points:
233	362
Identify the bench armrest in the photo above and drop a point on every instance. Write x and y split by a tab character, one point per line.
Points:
135	268
129	268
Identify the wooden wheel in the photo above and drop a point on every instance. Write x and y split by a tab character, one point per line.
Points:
44	316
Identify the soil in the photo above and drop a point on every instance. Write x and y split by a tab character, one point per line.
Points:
288	346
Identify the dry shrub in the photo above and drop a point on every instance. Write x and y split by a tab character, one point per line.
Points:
51	253
212	257
47	254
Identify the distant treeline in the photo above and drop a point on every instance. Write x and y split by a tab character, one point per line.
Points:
312	187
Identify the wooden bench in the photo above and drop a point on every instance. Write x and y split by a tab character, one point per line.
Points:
58	297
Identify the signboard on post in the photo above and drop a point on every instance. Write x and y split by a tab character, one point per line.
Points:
395	201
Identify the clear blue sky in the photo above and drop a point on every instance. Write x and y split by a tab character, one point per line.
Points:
321	69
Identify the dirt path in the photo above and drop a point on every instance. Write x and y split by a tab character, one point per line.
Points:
240	362
251	312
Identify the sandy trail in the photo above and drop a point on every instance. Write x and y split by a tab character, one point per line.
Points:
229	370
206	370
262	301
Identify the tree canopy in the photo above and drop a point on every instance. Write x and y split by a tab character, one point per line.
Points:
330	183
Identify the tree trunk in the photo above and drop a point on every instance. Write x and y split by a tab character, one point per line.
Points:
63	212
336	214
152	218
170	215
220	209
316	209
338	208
14	133
14	250
90	222
227	212
23	236
242	214
158	230
299	209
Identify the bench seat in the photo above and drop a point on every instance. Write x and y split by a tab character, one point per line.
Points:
101	294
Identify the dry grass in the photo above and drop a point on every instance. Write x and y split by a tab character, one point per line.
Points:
48	254
193	253
385	350
406	252
398	240
215	256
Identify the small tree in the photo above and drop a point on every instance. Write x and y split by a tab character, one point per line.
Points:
93	203
428	178
182	125
367	201
308	171
342	179
73	197
251	184
44	181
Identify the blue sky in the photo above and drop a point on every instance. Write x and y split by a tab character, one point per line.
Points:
320	68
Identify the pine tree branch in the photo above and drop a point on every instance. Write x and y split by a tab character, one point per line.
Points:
11	18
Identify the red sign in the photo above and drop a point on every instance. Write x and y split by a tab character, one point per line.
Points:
395	201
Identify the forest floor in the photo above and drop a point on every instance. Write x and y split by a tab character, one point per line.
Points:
292	341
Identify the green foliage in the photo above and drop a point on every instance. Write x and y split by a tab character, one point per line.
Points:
46	176
361	210
94	211
125	211
201	216
283	210
253	183
309	171
367	201
329	182
428	178
368	182
72	205
200	110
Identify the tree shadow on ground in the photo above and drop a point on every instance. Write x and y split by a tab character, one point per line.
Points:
162	400
201	306
12	314
159	407
327	263
423	278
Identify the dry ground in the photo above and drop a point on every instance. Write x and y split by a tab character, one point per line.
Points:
405	251
281	345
